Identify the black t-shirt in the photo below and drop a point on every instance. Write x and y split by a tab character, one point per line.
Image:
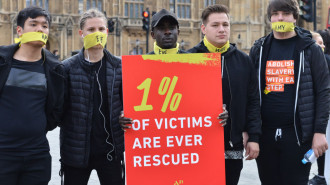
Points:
278	89
101	123
22	110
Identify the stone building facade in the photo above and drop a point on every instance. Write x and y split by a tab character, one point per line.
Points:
248	22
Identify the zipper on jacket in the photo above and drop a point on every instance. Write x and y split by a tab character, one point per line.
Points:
260	56
113	139
296	99
231	97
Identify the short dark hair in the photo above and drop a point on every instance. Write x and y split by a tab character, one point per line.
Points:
325	34
32	12
218	8
291	6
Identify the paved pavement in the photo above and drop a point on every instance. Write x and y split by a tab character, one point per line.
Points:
249	174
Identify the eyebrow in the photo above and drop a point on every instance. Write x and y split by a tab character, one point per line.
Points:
35	21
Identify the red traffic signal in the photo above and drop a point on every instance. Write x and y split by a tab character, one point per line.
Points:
145	14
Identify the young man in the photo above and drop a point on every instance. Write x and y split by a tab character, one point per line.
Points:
32	85
91	137
240	90
165	30
294	86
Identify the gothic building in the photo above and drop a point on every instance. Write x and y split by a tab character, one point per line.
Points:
248	22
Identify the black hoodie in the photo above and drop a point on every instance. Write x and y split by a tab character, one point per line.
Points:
244	102
312	83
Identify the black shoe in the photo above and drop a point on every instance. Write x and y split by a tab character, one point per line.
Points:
316	180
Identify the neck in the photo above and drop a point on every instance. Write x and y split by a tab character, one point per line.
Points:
28	53
94	55
284	35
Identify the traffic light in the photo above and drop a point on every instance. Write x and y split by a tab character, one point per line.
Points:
308	9
146	20
111	25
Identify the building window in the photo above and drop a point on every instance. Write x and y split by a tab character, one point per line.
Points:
81	6
98	4
134	8
40	3
182	8
208	3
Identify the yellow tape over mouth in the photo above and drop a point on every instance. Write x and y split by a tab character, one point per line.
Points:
94	39
283	26
32	36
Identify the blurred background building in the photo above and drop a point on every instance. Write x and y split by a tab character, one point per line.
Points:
248	22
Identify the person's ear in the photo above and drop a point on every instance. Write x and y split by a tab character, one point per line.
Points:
81	33
203	28
152	34
19	31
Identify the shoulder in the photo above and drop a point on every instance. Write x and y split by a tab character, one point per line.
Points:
199	48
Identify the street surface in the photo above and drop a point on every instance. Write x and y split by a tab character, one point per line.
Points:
249	175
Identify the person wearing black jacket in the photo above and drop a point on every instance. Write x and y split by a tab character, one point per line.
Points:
240	90
294	85
91	137
32	87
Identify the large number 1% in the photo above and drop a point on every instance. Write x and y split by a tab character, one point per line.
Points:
166	87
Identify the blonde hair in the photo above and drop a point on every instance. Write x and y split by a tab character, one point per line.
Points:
91	13
315	34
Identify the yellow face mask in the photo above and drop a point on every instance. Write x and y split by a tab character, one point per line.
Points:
214	49
283	26
32	36
94	39
160	51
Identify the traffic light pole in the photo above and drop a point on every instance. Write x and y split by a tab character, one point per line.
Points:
314	12
147	41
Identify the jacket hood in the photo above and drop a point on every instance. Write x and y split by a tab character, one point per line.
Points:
304	39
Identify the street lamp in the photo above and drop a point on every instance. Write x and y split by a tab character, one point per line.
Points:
137	44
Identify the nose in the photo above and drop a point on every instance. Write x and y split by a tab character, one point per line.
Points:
280	17
39	28
167	31
221	28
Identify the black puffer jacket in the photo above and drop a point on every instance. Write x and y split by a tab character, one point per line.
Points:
312	82
244	109
76	129
56	81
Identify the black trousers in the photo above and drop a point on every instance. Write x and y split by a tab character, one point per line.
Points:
233	170
28	170
279	161
109	172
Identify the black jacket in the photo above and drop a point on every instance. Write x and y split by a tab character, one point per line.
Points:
245	110
77	124
312	82
55	76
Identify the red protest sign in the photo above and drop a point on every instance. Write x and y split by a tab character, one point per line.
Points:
176	137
